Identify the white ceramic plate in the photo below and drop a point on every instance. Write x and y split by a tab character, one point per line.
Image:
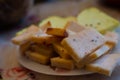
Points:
48	70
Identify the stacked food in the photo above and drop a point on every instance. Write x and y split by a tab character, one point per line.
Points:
67	43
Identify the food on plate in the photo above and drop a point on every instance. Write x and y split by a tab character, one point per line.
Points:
62	63
111	38
82	44
93	17
63	53
45	38
57	32
104	65
94	55
37	57
65	43
74	27
26	35
111	41
57	22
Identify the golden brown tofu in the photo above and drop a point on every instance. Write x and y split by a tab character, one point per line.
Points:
38	57
45	39
61	50
62	63
57	32
43	49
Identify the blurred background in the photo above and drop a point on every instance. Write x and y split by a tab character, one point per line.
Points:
13	13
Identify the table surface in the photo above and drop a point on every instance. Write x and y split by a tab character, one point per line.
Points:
66	8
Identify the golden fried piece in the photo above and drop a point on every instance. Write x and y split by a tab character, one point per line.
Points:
57	32
61	50
38	57
45	39
62	63
43	49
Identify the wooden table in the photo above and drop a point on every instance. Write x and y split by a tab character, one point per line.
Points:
66	8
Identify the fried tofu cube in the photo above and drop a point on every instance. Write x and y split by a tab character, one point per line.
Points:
42	59
57	32
104	65
62	63
43	38
63	53
82	44
43	49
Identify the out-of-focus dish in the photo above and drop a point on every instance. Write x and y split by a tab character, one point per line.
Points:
70	44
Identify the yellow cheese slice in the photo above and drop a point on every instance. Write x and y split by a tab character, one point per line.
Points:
97	19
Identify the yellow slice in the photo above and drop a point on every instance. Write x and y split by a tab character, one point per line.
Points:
97	19
57	22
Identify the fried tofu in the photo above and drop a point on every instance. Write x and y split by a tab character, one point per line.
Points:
26	35
62	63
104	65
45	38
43	49
57	32
42	59
82	44
63	53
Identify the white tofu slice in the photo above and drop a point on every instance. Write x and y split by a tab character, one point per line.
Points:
104	65
82	44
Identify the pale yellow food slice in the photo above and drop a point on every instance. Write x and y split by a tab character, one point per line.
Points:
57	22
104	65
62	63
93	17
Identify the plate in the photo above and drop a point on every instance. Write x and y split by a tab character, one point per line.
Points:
34	66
